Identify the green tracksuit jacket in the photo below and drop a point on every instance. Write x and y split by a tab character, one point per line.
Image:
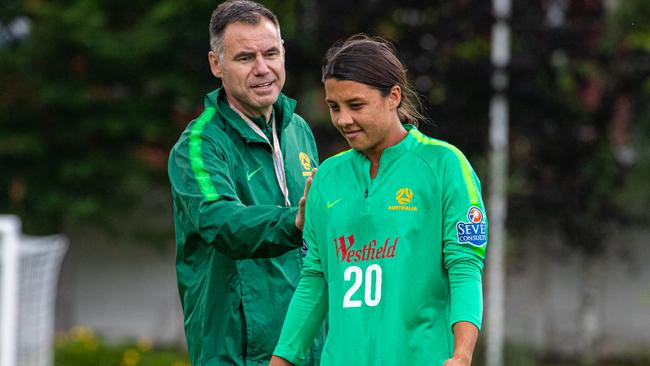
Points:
238	255
397	259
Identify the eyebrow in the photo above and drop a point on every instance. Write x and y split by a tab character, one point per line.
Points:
351	100
252	53
272	48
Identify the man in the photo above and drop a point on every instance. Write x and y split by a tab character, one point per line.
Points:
237	173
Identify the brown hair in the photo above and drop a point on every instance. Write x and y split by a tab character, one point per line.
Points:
232	11
373	61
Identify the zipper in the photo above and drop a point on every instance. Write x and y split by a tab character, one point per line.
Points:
366	175
244	333
311	356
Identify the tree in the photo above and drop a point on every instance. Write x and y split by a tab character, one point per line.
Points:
578	77
96	95
93	94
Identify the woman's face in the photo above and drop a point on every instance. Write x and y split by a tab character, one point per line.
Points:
367	120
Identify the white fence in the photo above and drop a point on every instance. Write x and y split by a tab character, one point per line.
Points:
29	273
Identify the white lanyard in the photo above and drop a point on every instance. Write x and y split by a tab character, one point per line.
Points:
278	161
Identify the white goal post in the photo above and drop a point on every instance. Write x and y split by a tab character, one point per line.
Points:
29	271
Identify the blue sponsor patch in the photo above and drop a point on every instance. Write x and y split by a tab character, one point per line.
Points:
474	231
304	248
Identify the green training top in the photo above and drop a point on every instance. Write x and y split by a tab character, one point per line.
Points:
397	259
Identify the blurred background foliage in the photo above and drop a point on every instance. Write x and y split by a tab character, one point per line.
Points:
95	93
82	347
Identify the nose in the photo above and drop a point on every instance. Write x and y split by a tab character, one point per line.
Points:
343	118
260	67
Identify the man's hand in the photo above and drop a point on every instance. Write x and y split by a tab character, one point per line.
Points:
279	361
300	217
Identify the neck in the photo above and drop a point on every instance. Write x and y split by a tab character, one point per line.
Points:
251	112
374	155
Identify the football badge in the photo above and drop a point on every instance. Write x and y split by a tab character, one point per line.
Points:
306	164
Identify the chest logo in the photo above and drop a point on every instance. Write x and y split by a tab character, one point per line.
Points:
403	198
331	204
370	251
250	175
306	164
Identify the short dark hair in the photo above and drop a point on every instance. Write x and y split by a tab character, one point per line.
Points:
373	61
232	11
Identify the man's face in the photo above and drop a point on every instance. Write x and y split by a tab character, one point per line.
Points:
252	66
366	119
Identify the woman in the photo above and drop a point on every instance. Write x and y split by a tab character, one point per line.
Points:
395	229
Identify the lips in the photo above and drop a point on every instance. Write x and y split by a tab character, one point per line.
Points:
263	85
352	133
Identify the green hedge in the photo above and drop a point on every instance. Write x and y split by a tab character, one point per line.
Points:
81	347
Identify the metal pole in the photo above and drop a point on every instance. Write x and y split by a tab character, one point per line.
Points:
498	179
9	230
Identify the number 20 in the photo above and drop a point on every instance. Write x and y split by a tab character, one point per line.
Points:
358	279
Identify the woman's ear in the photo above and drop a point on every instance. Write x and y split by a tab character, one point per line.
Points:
395	97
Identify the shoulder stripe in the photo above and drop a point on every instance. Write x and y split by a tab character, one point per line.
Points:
472	192
196	160
480	251
343	152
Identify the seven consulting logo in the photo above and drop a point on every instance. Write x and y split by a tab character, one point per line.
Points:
306	164
403	197
475	215
473	231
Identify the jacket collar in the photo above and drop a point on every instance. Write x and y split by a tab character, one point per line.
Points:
283	110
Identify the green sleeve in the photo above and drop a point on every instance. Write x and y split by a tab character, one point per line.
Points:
463	261
309	304
205	196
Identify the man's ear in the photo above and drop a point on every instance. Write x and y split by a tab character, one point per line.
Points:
215	65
